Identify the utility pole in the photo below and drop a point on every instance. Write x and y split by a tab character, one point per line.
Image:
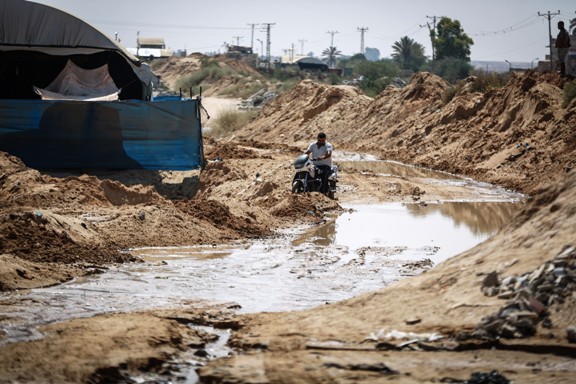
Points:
252	38
332	33
302	41
432	38
362	31
268	27
549	16
237	39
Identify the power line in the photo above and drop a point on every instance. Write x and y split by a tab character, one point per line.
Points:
155	25
527	22
530	20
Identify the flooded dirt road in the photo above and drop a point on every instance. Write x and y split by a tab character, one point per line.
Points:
365	248
368	245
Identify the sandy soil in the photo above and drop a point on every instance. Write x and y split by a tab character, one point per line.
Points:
55	226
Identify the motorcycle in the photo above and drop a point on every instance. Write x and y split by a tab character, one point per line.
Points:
308	177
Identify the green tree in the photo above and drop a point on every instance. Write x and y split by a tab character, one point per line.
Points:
331	54
376	75
358	57
351	62
451	41
452	69
408	53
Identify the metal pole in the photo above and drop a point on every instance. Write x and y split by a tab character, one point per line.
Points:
549	17
268	25
252	38
362	31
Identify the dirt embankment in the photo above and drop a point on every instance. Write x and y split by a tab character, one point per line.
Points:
55	226
518	136
224	73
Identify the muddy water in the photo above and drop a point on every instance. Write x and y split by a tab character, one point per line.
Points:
365	248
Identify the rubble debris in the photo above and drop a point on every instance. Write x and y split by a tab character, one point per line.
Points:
530	297
393	334
490	284
493	377
379	367
412	321
256	100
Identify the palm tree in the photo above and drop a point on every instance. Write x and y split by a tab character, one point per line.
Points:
408	53
572	27
331	53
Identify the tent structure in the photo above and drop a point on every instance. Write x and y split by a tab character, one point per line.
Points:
71	97
37	42
304	63
312	63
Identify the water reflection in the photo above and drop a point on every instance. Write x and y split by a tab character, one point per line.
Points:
323	235
481	218
451	227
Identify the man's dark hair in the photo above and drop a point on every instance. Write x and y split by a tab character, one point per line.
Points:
321	135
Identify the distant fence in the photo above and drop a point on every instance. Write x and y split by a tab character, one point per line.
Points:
133	134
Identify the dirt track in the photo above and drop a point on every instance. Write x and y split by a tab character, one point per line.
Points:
64	224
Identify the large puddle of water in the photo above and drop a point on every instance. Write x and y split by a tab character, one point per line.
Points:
365	248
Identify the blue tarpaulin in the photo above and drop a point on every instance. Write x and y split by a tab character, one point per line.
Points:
131	134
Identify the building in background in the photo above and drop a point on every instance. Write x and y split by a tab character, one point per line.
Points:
149	48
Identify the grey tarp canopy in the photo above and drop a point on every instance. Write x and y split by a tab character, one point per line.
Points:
48	50
36	42
311	63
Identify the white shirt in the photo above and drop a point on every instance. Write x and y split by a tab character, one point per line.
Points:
320	152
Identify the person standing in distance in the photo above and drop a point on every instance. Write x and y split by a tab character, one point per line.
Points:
321	151
562	44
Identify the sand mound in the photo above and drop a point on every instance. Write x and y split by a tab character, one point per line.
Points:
518	136
174	69
298	114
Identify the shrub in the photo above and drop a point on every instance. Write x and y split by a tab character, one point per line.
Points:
243	89
228	121
208	74
193	80
569	93
449	94
286	85
373	88
486	81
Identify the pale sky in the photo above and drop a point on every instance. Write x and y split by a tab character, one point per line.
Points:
502	30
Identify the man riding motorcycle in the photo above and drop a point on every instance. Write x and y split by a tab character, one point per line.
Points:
321	151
